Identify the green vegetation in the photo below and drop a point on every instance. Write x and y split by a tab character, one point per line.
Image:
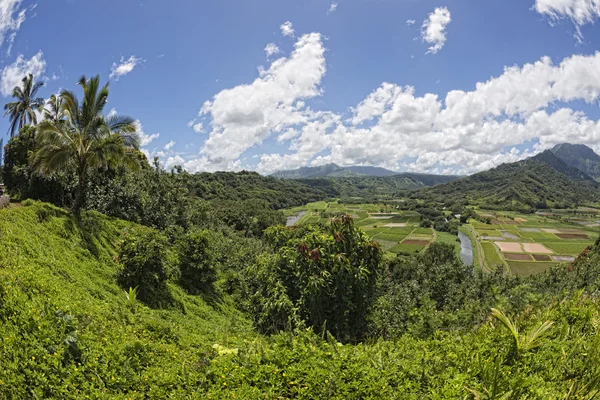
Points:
23	111
491	256
540	182
85	140
163	284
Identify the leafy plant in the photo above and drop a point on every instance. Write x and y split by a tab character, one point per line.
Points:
527	342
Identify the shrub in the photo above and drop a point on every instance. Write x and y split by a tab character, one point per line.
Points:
323	276
195	263
146	264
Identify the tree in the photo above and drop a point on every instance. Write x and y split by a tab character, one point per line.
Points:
22	111
54	111
85	140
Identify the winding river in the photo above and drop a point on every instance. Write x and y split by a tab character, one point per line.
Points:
466	249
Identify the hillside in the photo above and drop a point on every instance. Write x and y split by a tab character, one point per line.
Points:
68	331
579	156
332	171
538	182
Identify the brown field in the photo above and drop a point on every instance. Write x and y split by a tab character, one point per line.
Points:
571	236
541	257
521	219
572	231
518	257
419	242
511	222
536	248
509	247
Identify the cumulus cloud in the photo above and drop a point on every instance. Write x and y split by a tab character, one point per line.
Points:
247	114
271	49
433	30
145	139
581	12
410	22
124	67
287	29
13	74
458	132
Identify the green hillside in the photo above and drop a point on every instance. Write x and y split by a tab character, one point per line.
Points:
539	182
68	331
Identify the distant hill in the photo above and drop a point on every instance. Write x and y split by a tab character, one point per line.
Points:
579	156
332	171
372	188
538	182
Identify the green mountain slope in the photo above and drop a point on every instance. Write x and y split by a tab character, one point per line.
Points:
538	182
579	156
67	332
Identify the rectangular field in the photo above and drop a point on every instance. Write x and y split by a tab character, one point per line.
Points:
491	255
524	268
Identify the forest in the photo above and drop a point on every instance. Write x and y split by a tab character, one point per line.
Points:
122	280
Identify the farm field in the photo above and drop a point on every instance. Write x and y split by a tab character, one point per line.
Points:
532	243
396	231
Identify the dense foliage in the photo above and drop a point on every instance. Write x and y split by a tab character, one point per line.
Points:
325	279
542	181
68	331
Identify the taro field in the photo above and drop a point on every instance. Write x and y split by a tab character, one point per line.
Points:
396	231
527	244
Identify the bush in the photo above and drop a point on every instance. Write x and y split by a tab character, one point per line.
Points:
324	277
147	264
195	263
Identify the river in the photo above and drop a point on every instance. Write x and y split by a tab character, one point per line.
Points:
466	249
291	221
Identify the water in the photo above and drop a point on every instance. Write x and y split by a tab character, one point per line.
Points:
466	249
291	221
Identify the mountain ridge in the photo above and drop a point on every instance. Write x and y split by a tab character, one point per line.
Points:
333	170
579	156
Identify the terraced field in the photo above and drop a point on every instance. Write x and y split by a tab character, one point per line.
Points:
396	231
529	244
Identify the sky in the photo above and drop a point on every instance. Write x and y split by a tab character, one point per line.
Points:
437	86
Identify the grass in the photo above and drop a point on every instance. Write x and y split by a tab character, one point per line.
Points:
406	248
566	247
491	255
526	268
448	238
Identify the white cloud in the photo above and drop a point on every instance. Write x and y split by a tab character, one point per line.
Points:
145	139
11	18
287	29
124	67
459	132
433	30
247	114
333	7
410	22
198	127
13	74
271	49
581	12
112	113
169	145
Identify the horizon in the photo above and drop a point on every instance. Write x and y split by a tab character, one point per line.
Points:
429	87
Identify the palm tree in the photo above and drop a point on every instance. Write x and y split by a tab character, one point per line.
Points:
85	139
54	111
23	110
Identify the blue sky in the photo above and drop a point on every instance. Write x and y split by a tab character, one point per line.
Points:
321	97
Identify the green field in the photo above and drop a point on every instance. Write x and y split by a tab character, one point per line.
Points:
526	268
491	255
570	247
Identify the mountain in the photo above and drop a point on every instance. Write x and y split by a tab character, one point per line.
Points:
538	182
332	171
579	156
